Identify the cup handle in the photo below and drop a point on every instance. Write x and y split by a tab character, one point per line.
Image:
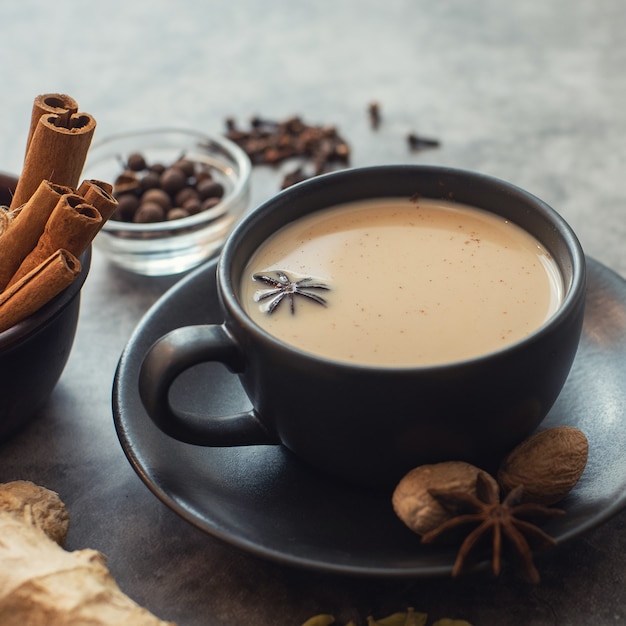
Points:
169	357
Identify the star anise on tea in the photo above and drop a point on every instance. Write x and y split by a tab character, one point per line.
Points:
283	286
508	522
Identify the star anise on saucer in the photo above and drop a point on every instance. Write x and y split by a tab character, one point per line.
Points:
282	286
507	522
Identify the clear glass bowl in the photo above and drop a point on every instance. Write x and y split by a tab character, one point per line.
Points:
174	246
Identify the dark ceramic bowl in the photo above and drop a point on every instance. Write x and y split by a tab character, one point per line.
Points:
33	353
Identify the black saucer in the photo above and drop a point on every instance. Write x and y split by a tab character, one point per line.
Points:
263	500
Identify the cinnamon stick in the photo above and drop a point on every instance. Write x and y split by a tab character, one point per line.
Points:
99	194
51	103
5	220
25	229
56	152
72	225
37	288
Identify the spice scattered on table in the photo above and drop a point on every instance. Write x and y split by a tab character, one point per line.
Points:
318	149
418	142
374	114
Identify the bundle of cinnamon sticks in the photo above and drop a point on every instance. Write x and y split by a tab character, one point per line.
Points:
52	218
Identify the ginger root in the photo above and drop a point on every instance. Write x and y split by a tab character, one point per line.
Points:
43	584
36	506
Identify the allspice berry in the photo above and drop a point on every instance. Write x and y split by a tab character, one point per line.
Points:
159	196
176	213
126	182
186	193
192	206
209	203
149	212
127	204
173	180
136	162
150	180
210	189
186	166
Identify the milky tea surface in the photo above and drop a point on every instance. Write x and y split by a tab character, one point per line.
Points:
411	283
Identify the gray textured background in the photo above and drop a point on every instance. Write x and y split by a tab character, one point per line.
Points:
533	92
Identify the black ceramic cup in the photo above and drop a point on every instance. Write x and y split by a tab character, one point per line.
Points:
369	424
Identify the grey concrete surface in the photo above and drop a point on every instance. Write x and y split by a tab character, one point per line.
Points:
533	92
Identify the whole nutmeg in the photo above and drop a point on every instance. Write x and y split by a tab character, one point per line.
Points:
414	505
547	464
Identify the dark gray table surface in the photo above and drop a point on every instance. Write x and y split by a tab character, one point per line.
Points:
531	92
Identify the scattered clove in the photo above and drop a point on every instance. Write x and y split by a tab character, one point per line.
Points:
294	176
417	142
374	115
270	142
317	149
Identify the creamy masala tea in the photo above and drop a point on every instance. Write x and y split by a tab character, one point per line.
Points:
395	282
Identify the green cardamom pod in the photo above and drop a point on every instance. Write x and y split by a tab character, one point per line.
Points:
413	618
395	619
322	619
